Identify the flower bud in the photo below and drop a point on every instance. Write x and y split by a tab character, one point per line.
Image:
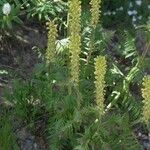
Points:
6	9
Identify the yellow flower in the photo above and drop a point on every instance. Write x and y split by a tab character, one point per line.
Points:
95	12
146	101
100	71
75	39
51	43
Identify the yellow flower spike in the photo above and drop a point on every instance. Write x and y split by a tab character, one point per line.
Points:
100	71
146	101
95	12
51	43
75	39
95	15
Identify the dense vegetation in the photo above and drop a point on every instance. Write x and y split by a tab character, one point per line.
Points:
90	89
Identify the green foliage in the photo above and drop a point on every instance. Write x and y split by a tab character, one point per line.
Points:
83	130
32	98
114	132
7	137
74	121
126	77
6	21
45	10
25	104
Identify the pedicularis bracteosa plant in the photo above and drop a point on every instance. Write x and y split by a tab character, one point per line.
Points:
100	71
95	12
88	99
83	128
75	39
51	44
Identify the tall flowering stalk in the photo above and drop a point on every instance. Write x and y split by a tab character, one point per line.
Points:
95	16
95	12
100	71
146	101
51	43
75	39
